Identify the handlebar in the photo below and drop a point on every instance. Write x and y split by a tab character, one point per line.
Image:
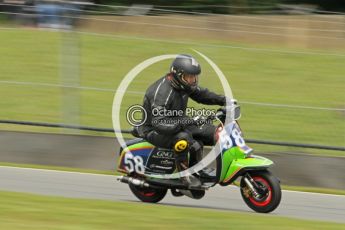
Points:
233	110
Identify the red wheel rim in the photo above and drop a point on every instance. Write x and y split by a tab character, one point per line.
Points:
147	194
268	199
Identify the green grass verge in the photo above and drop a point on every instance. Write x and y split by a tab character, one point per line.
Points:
255	76
19	210
314	189
68	169
59	168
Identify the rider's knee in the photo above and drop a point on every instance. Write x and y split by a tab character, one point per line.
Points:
182	142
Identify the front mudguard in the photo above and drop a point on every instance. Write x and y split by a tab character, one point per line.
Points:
240	166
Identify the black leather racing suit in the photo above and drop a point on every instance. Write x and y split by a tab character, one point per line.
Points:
164	130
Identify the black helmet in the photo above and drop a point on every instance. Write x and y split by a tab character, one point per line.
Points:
184	64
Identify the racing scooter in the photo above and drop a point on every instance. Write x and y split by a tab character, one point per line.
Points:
147	168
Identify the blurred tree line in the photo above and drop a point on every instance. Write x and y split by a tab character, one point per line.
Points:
232	6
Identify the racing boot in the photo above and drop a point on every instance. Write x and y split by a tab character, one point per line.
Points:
196	150
181	159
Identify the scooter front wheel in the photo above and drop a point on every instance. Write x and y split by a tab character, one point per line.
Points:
149	195
267	202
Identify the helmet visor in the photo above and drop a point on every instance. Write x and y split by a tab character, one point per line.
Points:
191	79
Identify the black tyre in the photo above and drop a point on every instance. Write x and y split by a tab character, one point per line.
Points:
269	201
149	195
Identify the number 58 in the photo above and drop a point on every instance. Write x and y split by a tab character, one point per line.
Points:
134	163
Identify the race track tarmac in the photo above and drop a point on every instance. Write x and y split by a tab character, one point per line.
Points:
301	205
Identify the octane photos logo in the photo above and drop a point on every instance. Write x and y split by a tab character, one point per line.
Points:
131	115
120	92
188	117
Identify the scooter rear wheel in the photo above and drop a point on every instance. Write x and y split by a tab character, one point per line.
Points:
149	195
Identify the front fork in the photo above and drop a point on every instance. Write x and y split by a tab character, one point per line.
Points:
257	190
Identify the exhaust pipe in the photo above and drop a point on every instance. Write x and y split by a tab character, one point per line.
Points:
134	181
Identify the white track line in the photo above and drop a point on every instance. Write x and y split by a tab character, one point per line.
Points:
142	93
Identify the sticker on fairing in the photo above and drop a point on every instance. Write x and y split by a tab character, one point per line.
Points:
231	136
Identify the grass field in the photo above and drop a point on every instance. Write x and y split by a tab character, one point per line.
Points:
19	210
254	75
